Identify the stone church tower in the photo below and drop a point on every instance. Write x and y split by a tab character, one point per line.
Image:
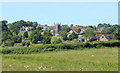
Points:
57	28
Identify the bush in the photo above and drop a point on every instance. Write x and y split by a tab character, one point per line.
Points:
23	43
8	43
46	40
75	41
82	40
52	47
56	40
35	39
27	43
98	46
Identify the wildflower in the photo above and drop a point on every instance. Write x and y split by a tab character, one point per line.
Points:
80	69
92	55
40	67
26	66
10	65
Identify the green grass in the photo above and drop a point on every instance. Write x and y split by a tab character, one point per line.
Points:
104	59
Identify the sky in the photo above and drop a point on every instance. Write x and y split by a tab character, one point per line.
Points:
77	13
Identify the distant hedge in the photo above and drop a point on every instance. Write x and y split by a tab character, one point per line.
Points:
52	47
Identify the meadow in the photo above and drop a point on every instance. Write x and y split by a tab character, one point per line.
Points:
100	59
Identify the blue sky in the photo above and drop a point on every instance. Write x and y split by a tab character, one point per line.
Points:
77	13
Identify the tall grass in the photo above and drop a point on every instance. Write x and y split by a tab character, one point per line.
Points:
66	60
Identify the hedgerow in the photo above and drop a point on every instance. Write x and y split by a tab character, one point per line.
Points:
52	47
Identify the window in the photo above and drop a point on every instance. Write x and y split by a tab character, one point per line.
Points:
102	36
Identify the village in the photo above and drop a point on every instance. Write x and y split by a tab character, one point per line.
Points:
57	27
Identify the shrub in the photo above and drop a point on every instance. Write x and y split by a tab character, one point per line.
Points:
82	40
98	46
75	41
56	40
25	35
35	39
52	47
23	43
8	43
27	43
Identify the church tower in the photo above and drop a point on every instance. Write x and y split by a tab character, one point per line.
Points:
57	28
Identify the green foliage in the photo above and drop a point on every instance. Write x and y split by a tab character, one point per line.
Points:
89	27
117	36
46	40
4	26
49	47
17	39
25	35
71	25
103	25
64	34
40	28
65	28
107	28
56	40
75	41
35	36
83	40
35	39
14	28
47	37
8	43
6	35
73	36
89	34
27	43
78	30
23	43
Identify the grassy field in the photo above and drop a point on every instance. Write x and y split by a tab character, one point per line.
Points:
104	59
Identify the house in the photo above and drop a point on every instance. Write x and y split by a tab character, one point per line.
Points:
54	29
75	28
105	37
100	29
80	37
26	28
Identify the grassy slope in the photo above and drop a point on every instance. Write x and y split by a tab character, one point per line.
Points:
103	60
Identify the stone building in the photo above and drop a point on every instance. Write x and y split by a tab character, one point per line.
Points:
57	29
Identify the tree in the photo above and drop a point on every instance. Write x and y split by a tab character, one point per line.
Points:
27	43
56	40
65	28
6	33
78	30
89	34
107	31
35	36
40	28
90	26
35	39
35	23
25	35
47	37
117	35
46	40
34	27
71	25
4	26
16	39
73	36
14	28
64	34
8	43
